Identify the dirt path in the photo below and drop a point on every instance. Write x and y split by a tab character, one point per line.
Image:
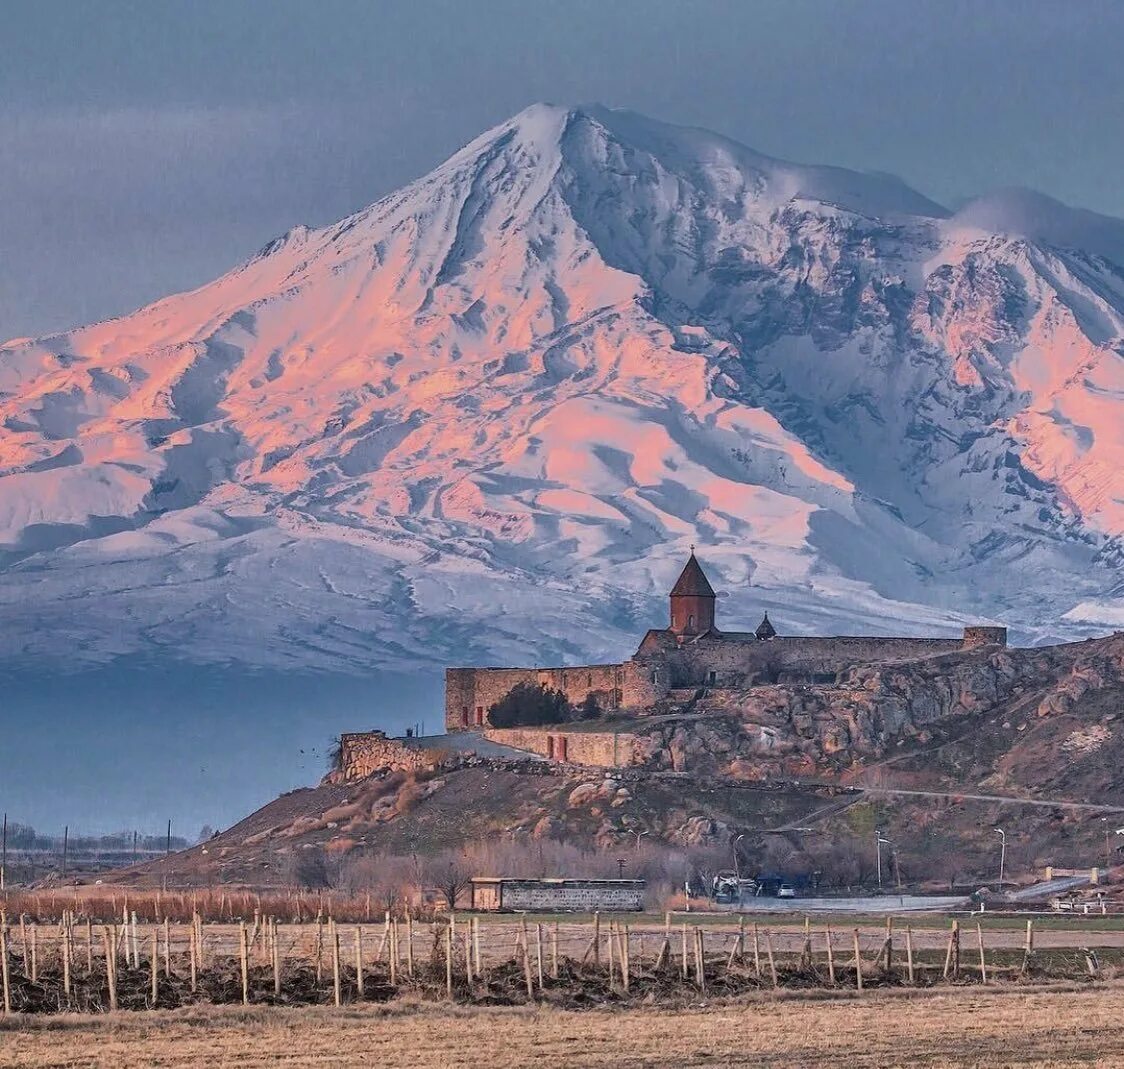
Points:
1048	1030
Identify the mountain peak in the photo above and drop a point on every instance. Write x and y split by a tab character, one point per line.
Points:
505	397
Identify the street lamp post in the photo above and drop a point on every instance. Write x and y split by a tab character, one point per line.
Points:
881	840
737	867
1002	855
639	835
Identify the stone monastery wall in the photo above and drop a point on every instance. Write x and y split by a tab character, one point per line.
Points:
601	749
726	663
471	692
362	753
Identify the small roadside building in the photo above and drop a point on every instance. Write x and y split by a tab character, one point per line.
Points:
503	894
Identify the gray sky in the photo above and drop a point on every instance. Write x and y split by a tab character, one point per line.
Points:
147	147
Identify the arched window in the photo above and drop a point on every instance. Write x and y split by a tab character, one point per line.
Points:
690	623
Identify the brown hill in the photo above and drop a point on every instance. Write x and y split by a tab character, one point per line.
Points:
1030	740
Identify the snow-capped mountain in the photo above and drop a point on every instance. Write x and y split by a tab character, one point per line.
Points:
483	419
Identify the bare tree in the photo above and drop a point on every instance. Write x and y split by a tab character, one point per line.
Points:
447	872
309	869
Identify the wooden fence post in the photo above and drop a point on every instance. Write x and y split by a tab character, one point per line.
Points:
858	963
410	945
359	963
527	964
243	953
276	954
830	957
772	959
4	969
909	954
337	992
1028	949
109	938
756	952
623	934
193	951
66	961
538	953
449	960
700	958
983	960
953	938
554	952
154	968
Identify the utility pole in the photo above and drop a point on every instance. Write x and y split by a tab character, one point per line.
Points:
134	846
4	854
620	868
167	853
1002	855
878	855
1107	846
65	845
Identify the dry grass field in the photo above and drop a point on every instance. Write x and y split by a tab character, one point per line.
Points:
1038	1028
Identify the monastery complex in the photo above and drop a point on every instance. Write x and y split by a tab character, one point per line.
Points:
691	653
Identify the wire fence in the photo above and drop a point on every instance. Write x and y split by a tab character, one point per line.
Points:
79	965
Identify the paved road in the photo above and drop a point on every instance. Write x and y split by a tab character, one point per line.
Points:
1045	803
1049	888
881	904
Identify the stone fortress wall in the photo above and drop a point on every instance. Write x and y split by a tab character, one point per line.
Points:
724	662
365	752
600	749
471	692
721	661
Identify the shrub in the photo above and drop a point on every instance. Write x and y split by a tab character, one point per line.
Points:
309	869
530	704
590	708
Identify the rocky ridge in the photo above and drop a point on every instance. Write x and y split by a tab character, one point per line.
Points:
873	710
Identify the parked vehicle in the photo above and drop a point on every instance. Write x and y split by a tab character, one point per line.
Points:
728	887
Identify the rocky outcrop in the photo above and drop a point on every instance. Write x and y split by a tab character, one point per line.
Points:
769	730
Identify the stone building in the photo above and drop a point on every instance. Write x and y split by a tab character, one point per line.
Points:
692	653
501	894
